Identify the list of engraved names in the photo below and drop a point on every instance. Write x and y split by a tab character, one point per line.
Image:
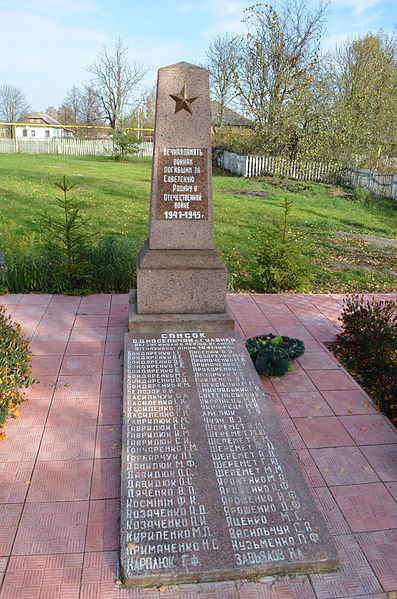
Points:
205	481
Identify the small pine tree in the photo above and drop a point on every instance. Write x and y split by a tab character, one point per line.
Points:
281	266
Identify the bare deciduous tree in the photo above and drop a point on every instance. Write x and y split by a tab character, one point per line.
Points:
90	109
115	81
221	58
13	104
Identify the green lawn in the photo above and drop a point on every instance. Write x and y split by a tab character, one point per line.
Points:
116	197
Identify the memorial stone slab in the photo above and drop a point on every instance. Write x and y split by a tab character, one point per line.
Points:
210	487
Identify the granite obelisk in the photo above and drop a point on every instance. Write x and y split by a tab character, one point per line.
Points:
181	278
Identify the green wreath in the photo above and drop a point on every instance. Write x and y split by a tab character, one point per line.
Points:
272	354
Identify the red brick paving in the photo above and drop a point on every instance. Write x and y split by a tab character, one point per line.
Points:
366	507
349	401
380	549
59	507
343	466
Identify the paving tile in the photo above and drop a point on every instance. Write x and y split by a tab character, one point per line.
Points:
95	301
13	481
285	587
48	348
324	431
33	413
316	360
43	388
311	345
372	596
110	410
103	525
383	458
278	405
10	514
293	436
114	347
354	577
73	412
112	385
323	333
116	333
108	442
34	299
113	364
349	401
331	380
68	443
3	566
328	507
78	387
305	403
373	429
343	466
60	481
99	568
58	318
392	488
117	320
56	527
282	318
91	320
310	471
366	507
120	298
299	332
24	446
293	381
88	335
380	549
313	320
81	365
80	348
65	300
53	334
13	298
106	479
43	577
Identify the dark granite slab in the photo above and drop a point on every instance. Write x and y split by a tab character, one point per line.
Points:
210	488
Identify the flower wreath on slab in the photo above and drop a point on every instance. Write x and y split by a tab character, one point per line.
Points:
272	354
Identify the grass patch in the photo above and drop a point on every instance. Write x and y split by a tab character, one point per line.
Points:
116	197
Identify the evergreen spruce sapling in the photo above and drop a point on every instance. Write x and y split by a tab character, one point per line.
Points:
281	266
69	230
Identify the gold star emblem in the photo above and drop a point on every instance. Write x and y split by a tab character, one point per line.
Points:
183	102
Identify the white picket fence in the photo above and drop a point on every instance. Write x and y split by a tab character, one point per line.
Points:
71	147
317	172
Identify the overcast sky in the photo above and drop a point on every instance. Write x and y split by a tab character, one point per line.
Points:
46	45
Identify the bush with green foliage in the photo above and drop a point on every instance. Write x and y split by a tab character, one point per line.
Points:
15	372
272	354
367	347
126	143
360	194
280	263
65	259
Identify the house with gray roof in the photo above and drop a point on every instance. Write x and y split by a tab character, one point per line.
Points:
230	117
39	125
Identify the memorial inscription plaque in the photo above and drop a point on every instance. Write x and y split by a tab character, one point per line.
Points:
183	192
210	487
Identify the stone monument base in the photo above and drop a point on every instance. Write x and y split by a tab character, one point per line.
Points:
165	323
180	281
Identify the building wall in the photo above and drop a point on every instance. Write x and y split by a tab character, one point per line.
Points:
33	132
